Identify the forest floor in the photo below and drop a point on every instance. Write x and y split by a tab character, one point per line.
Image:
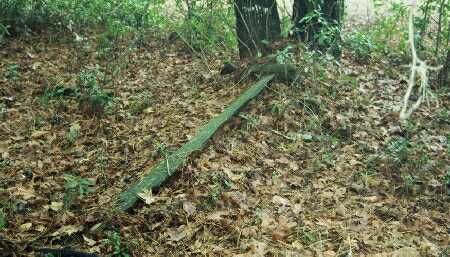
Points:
320	168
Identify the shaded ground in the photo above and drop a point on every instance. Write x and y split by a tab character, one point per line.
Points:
318	169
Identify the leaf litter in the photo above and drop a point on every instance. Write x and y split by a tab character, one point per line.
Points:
318	177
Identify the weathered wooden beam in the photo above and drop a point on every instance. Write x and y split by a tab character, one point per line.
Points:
165	168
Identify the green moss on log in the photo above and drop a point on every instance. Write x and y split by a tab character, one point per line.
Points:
282	72
165	168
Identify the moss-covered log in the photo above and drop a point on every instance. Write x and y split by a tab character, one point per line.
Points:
287	73
165	168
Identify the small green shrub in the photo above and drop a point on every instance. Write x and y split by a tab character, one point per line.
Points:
91	98
251	120
58	92
206	26
278	107
76	187
115	240
17	16
398	150
110	40
409	182
90	93
360	45
12	72
321	33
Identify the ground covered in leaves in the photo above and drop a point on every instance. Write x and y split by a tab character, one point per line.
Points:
321	167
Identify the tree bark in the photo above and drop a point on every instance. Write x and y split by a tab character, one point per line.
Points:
319	23
257	25
445	71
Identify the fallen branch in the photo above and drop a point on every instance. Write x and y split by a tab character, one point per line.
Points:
165	168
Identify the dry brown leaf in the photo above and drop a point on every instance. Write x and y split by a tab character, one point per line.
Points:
25	227
56	206
281	201
23	192
217	216
189	208
178	233
406	252
341	210
89	241
68	230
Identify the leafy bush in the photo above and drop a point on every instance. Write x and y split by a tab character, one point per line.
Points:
91	97
206	25
91	94
360	45
17	16
398	150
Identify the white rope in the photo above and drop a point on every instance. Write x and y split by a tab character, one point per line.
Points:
418	68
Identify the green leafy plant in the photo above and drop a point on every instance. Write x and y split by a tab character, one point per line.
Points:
161	149
278	107
12	72
110	40
444	115
115	240
251	121
448	144
446	179
59	91
286	26
2	219
398	150
36	122
390	34
89	92
19	16
73	132
76	187
323	34
285	55
206	26
409	181
360	45
3	31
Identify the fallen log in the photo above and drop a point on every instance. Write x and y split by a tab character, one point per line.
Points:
286	73
165	168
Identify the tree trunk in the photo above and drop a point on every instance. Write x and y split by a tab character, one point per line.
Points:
445	72
319	23
257	25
